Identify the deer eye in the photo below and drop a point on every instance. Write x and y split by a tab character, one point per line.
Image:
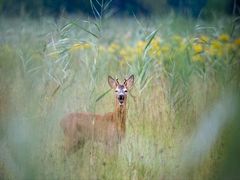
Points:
125	91
116	91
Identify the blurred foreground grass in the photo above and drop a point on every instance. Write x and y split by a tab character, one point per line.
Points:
182	123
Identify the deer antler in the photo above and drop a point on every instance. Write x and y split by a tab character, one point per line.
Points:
125	80
117	81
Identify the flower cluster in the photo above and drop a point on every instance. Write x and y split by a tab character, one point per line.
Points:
200	48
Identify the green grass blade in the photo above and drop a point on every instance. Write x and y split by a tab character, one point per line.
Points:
150	37
102	95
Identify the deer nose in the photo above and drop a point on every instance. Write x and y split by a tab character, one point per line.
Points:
121	97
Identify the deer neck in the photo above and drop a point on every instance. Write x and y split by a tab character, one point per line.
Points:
120	114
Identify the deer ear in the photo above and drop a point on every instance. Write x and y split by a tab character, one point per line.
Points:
129	82
112	82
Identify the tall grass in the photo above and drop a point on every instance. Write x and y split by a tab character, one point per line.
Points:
182	114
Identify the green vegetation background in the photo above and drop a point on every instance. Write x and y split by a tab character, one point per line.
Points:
183	115
127	7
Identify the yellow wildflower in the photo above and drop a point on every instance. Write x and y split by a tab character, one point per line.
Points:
229	47
154	52
198	48
216	44
237	42
158	53
141	44
155	44
140	47
76	46
86	46
198	58
124	54
113	48
155	47
165	48
224	37
80	46
203	39
215	49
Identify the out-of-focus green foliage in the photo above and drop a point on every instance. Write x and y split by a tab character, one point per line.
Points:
128	7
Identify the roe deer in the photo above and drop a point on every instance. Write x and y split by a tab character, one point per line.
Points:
109	128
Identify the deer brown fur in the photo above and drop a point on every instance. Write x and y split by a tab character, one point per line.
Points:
109	128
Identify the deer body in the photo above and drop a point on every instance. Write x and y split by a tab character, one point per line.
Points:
109	128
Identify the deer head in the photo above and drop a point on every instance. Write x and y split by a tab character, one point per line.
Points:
121	90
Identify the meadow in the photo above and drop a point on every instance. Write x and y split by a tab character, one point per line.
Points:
183	112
